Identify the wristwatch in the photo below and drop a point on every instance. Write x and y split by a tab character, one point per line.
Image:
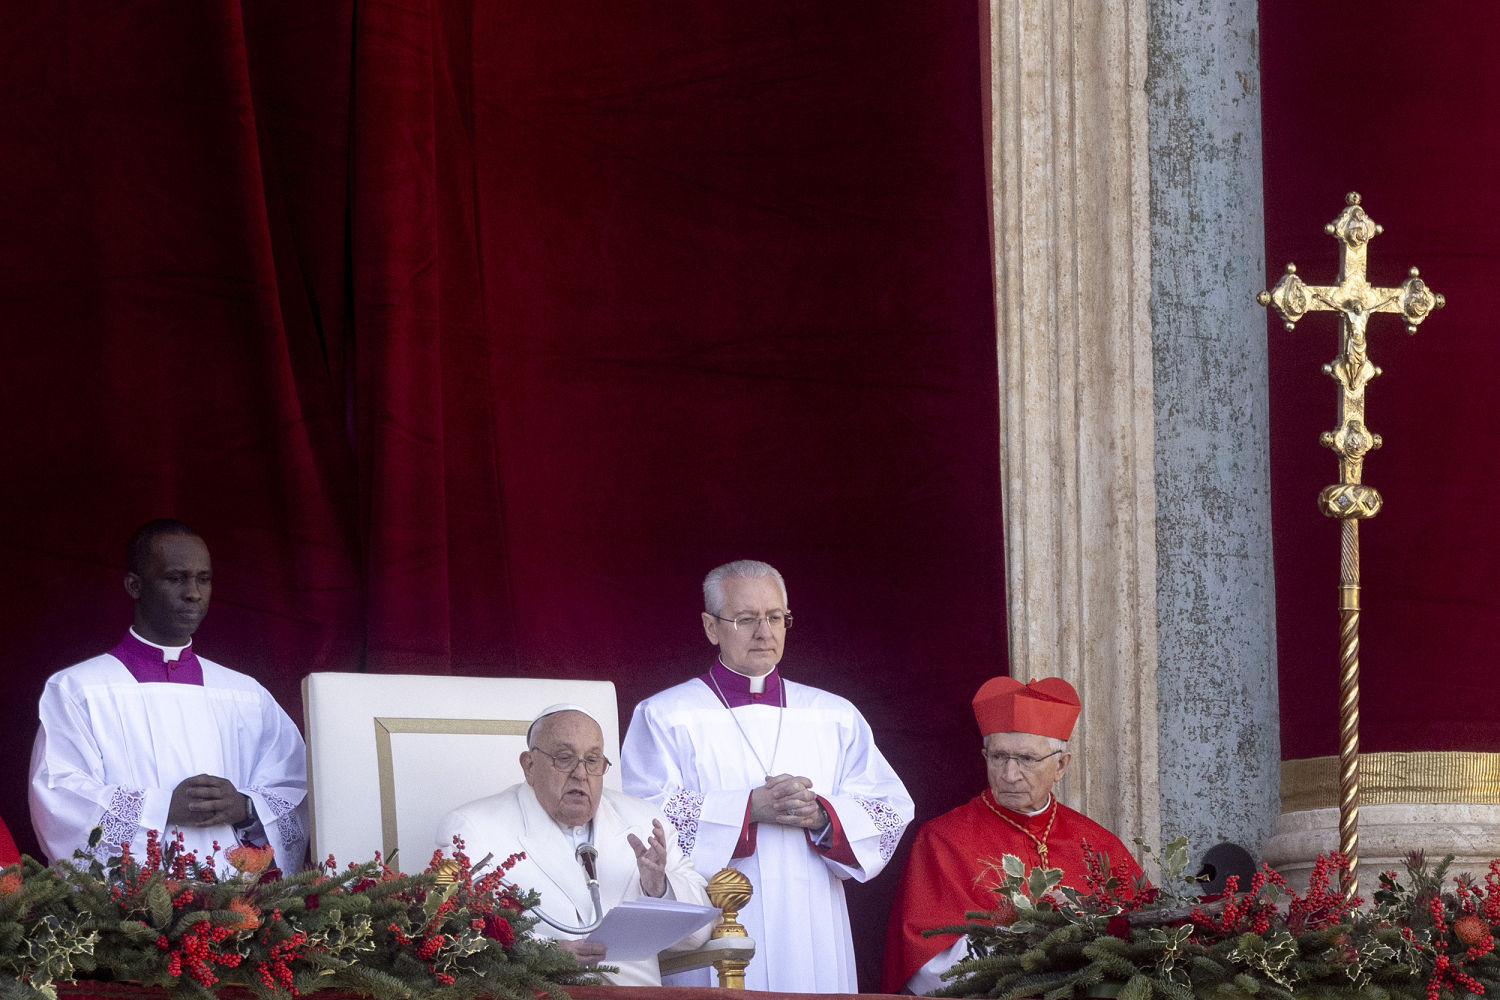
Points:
249	819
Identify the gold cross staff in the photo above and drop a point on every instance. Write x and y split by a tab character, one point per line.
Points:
1349	500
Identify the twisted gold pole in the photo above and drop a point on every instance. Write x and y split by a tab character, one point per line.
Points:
1349	698
1349	500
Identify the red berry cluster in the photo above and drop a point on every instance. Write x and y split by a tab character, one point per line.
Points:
1111	889
1489	908
197	955
1324	905
173	865
1472	930
1249	913
470	905
275	970
1320	908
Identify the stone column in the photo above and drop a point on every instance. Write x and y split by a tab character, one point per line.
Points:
1128	245
1070	224
1437	802
1215	596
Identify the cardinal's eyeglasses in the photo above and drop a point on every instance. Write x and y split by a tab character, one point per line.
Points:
1024	761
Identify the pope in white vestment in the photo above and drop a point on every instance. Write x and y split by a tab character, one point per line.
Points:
513	821
150	736
780	780
578	809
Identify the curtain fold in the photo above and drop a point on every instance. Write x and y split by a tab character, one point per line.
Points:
471	336
1427	621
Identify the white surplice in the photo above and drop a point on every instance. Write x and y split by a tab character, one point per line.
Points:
684	752
110	750
513	821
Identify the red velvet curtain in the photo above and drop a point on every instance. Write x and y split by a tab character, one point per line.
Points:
1396	101
471	335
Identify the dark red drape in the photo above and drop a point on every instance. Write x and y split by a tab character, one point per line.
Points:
1397	102
471	335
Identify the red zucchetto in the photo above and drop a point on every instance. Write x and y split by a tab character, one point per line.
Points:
1046	707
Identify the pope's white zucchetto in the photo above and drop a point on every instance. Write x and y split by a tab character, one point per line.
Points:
562	706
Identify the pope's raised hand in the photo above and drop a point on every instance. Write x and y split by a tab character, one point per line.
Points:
651	859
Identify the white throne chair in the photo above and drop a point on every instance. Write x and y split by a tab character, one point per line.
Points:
388	755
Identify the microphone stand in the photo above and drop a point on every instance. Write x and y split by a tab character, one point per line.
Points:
586	854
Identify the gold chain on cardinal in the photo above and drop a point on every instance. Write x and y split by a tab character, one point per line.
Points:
1040	842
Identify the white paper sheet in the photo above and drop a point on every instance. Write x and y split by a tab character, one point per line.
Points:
639	928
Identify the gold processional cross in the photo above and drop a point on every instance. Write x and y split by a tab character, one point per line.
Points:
1350	500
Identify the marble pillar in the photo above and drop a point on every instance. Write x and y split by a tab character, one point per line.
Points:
1215	597
1126	224
1070	227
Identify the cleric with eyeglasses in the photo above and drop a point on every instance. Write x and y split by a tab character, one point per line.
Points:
572	829
951	867
780	779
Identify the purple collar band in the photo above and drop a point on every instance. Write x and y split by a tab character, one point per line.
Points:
735	687
145	664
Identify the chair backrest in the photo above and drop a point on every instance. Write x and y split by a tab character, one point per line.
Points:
389	754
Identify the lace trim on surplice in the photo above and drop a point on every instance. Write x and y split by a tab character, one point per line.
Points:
121	821
289	829
683	809
887	821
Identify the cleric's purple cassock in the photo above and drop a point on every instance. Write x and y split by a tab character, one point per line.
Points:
684	752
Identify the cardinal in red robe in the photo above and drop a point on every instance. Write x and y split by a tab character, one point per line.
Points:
954	859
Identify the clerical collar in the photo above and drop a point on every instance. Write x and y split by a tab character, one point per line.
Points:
150	663
1043	809
737	690
581	834
1017	812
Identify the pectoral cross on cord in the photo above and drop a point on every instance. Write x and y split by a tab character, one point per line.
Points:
1039	842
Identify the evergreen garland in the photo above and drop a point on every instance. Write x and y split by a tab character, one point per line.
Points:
1423	939
173	921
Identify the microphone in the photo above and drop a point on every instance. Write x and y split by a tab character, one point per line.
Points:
587	854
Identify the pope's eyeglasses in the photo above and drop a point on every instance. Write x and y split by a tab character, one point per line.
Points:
1024	761
566	762
776	619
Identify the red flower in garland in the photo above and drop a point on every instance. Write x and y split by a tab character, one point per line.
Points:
497	928
1118	926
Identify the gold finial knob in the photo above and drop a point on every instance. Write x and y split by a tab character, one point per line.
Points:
729	890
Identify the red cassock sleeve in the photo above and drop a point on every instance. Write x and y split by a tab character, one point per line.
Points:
8	853
937	888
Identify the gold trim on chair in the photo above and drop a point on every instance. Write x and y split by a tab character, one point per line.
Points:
386	725
1397	778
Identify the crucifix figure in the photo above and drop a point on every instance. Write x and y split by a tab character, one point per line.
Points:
1350	500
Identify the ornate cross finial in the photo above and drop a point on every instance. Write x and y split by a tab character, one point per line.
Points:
1354	299
1349	500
